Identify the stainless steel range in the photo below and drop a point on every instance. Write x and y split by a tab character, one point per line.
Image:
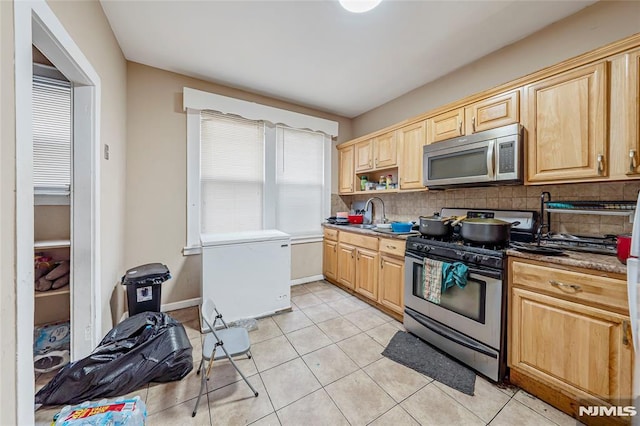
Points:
469	323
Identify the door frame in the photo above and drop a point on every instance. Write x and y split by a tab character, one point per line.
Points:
35	23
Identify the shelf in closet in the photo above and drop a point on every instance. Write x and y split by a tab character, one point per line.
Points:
49	293
51	244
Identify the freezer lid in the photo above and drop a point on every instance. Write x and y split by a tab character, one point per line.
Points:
208	240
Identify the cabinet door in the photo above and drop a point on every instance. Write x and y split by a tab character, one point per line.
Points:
364	156
346	274
385	150
570	345
330	259
391	283
493	112
444	126
566	119
624	134
411	139
345	171
367	273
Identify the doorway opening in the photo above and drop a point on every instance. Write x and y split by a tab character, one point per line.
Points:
36	25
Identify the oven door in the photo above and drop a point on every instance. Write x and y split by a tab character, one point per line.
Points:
475	311
464	164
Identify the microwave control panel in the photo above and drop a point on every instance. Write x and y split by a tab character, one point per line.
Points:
506	155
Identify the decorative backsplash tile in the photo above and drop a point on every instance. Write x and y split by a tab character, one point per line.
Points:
409	206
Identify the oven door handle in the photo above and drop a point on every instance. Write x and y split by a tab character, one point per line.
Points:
450	335
486	273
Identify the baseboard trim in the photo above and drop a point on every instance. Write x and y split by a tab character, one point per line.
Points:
307	279
173	306
196	301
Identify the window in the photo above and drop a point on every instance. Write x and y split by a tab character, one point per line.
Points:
231	173
246	174
51	136
299	181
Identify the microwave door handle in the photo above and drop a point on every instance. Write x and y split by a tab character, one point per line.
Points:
491	164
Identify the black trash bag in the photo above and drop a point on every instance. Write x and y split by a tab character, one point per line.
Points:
147	347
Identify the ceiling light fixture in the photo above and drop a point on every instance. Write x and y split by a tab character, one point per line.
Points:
359	6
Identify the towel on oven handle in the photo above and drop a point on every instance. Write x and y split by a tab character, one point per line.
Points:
439	276
454	274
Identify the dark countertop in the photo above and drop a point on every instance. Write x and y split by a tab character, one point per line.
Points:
371	231
598	262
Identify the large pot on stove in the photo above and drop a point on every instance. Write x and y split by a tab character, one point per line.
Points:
435	226
486	231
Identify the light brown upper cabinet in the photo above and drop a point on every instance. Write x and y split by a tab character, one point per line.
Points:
493	112
411	139
496	111
345	171
364	156
376	153
566	119
445	126
385	150
624	127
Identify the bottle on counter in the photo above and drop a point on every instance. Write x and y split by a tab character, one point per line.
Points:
388	181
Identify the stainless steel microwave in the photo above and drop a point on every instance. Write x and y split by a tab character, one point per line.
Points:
485	158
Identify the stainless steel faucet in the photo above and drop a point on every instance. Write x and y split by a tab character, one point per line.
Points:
369	201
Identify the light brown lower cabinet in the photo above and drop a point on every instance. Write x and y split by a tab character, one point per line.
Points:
367	273
371	267
391	283
569	337
346	268
330	259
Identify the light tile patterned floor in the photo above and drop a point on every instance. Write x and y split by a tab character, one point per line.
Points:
321	365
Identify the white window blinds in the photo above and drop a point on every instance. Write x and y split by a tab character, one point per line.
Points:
299	181
231	173
51	136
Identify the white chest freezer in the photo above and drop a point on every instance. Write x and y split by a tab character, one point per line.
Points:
247	274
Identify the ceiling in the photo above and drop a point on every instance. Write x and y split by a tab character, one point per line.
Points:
316	54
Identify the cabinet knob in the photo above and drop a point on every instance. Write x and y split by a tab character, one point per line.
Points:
632	161
460	128
376	162
381	264
473	124
600	159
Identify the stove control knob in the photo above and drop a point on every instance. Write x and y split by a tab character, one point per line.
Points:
464	256
477	258
419	247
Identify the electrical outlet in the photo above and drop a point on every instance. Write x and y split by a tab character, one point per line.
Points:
106	151
282	296
87	333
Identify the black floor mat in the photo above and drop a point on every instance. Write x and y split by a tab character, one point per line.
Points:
412	352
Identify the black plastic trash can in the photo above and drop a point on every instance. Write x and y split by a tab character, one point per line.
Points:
144	287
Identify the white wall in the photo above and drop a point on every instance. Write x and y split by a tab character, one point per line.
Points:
156	177
593	27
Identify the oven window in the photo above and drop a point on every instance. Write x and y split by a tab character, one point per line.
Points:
469	301
460	164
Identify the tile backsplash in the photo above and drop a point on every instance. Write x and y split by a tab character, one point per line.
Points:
409	206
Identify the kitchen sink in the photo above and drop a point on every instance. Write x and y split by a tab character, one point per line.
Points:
363	226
